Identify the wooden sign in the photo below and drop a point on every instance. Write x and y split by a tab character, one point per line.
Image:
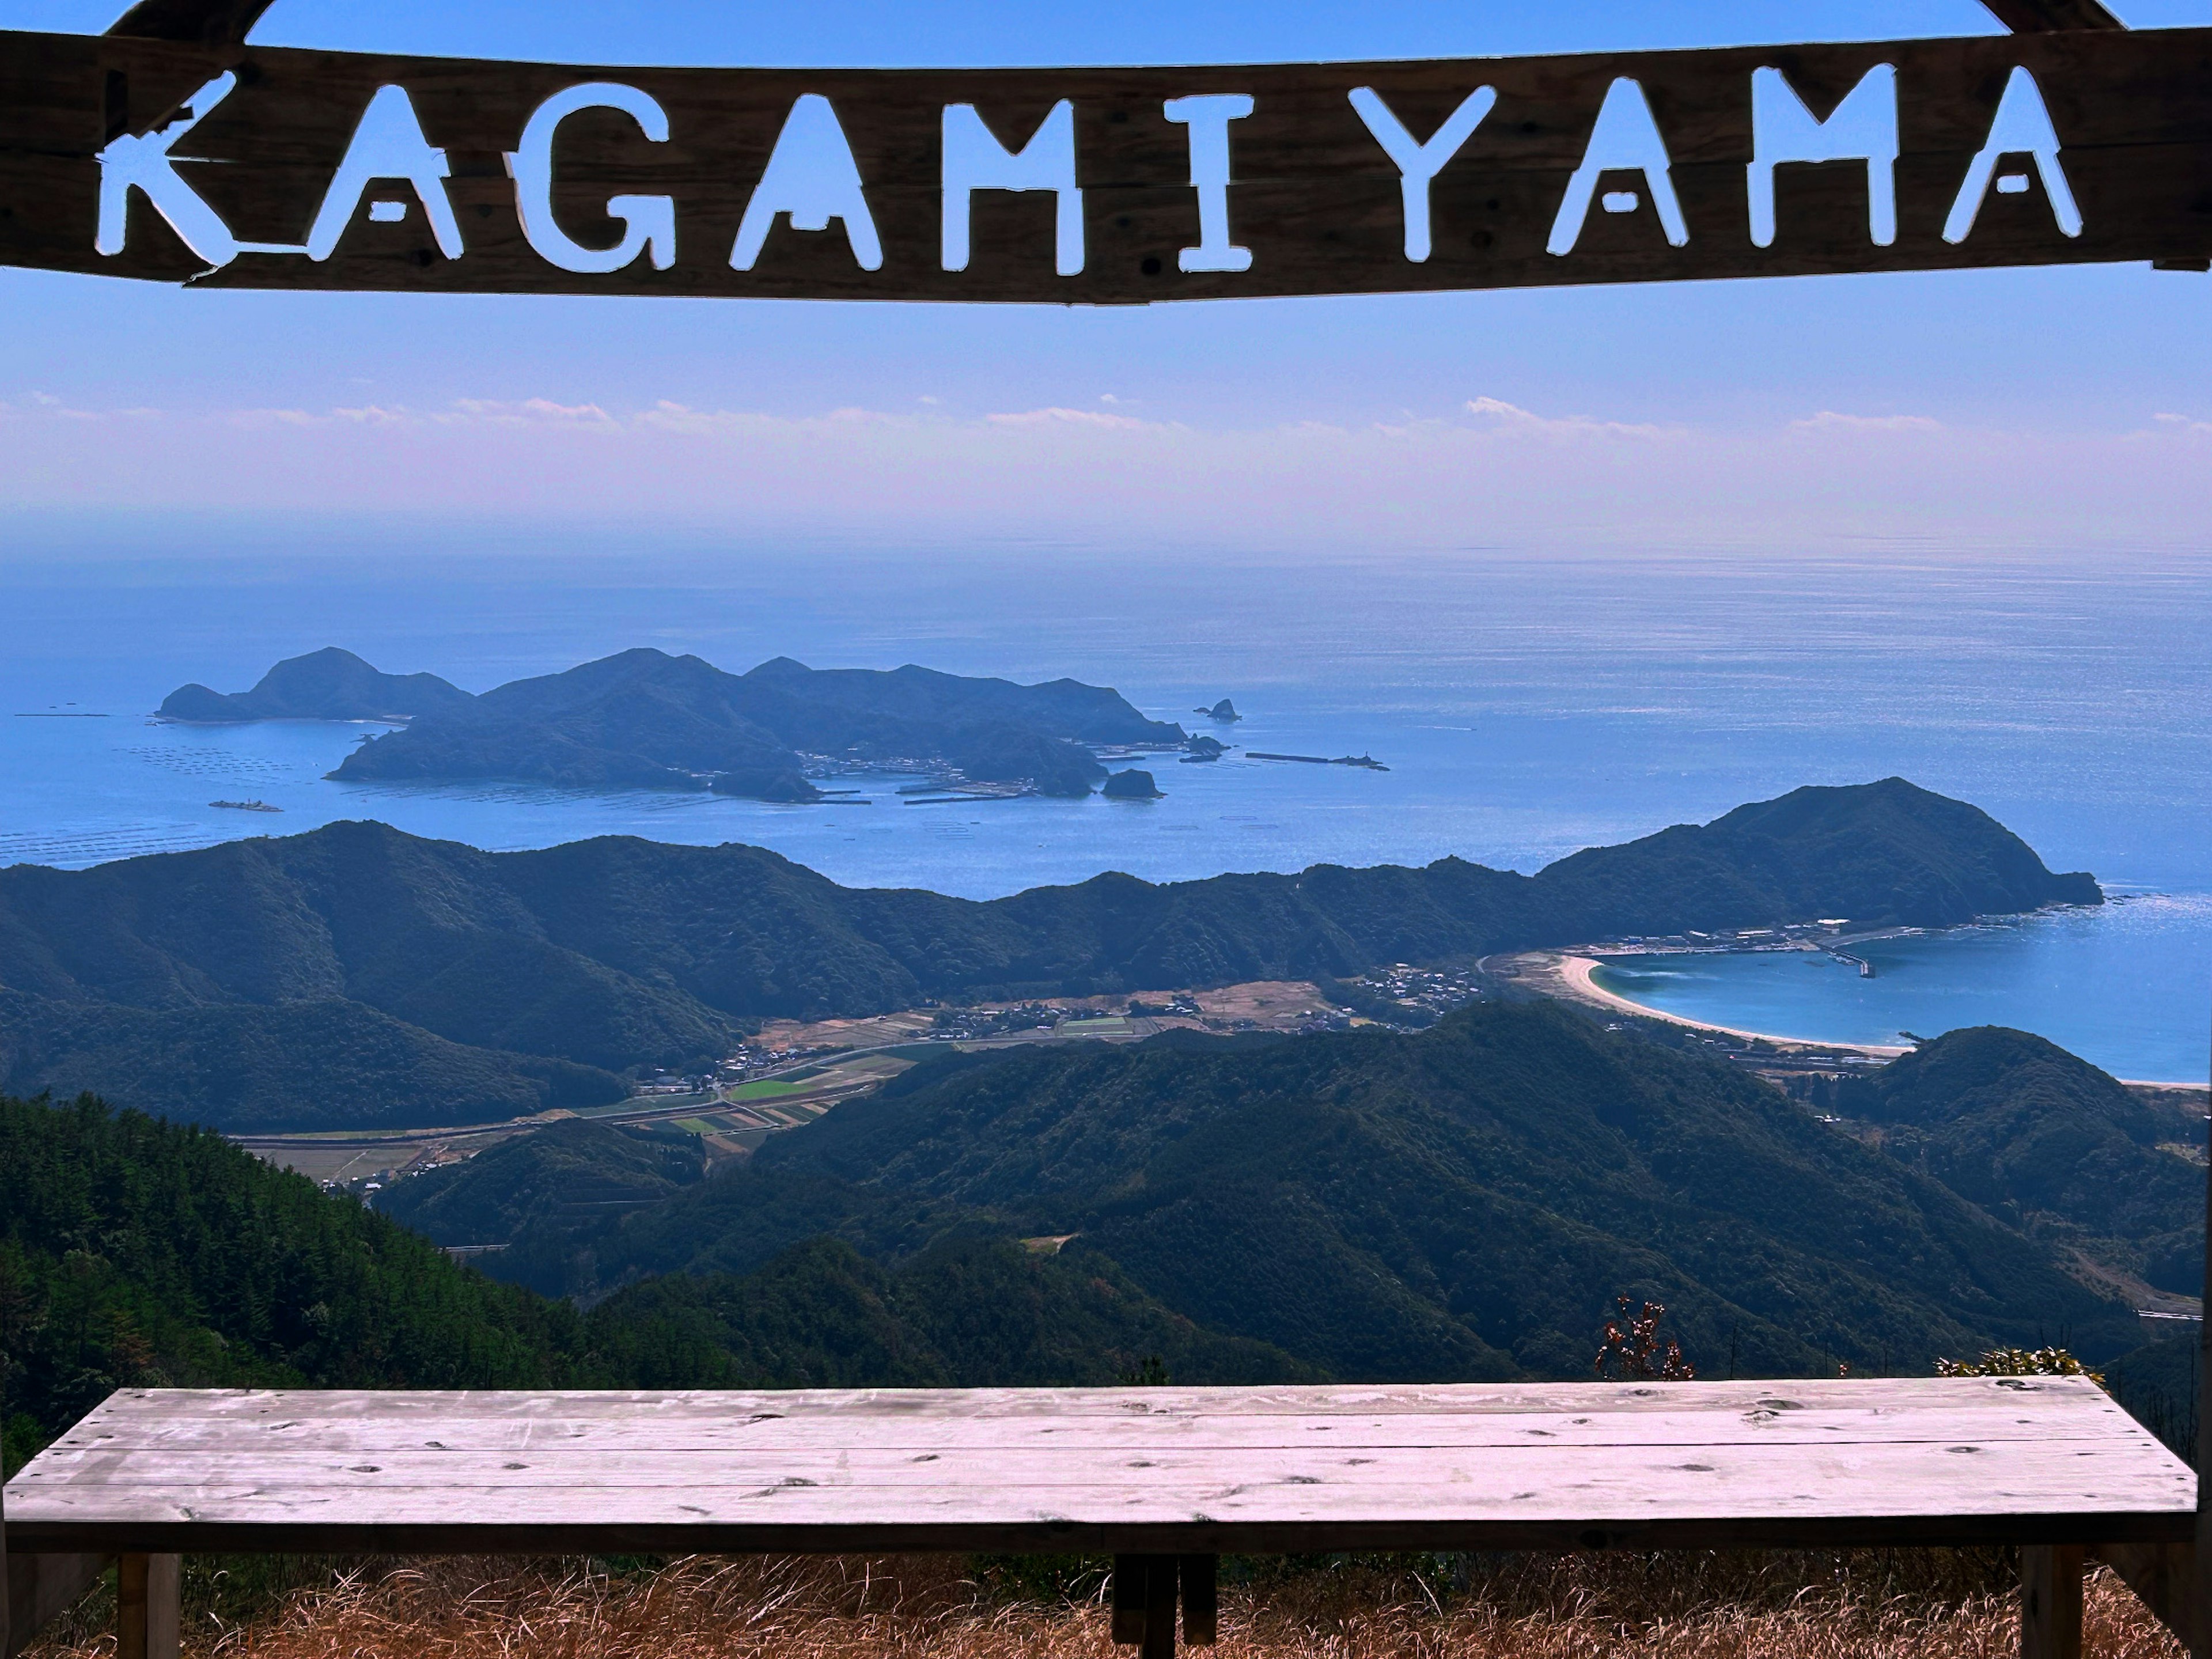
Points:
234	165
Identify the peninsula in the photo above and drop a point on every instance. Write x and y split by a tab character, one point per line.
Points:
644	720
357	974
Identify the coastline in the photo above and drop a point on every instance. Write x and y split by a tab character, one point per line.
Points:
1567	976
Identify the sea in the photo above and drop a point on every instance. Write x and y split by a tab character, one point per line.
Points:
1526	702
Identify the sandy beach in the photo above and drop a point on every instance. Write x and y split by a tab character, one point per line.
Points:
1556	974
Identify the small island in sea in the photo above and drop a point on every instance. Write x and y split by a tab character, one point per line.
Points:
1131	785
644	720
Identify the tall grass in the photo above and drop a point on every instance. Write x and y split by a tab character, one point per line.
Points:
1859	1605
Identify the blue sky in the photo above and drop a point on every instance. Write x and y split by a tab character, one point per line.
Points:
2013	407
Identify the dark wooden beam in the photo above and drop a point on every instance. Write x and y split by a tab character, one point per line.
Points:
193	23
2048	16
225	22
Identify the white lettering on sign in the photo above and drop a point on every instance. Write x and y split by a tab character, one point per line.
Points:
1625	140
387	144
145	163
1861	128
649	221
811	176
1419	164
975	159
2022	127
1207	116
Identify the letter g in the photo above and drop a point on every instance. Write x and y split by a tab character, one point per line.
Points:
649	221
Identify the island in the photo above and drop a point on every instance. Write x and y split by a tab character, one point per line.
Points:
1131	785
1223	711
644	720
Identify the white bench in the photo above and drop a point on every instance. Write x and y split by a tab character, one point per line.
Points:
1166	1479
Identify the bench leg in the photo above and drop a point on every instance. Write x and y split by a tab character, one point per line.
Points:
149	1614
2051	1601
1201	1603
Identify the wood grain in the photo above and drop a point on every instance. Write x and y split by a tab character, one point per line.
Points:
1137	1472
40	1588
2164	1578
2051	1601
1316	199
2037	16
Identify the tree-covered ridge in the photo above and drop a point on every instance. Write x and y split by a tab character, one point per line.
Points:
618	952
140	1254
1462	1203
2036	1135
572	1171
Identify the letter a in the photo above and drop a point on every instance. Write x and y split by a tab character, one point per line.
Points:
811	176
1783	129
142	162
388	144
2022	127
975	159
1625	140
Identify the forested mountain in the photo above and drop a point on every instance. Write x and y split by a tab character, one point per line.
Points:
137	1254
330	685
569	1173
1460	1203
644	720
613	953
2034	1134
271	1067
140	1254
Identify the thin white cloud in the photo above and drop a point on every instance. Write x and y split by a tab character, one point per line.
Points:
1829	420
1502	417
530	411
1034	419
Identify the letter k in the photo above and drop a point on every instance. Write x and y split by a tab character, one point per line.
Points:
136	161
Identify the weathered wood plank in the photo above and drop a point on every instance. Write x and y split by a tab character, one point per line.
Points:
2164	1578
1510	1482
40	1588
121	1472
1315	197
198	22
1201	1600
2037	16
1136	1471
1183	1435
148	1613
1074	1405
2051	1601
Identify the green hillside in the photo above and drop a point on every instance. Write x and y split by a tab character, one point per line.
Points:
2032	1134
616	953
572	1171
253	1067
1461	1203
138	1254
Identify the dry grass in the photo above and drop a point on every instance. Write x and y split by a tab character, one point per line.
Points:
1919	1605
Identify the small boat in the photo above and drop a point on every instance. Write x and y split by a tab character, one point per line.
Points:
245	806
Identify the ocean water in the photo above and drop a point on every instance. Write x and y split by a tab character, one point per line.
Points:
2123	987
1527	706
